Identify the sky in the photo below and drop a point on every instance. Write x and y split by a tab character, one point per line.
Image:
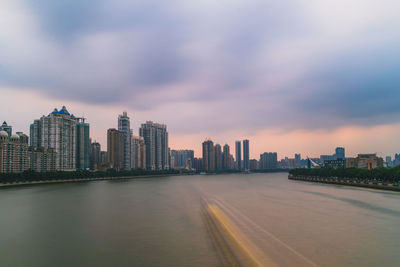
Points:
293	76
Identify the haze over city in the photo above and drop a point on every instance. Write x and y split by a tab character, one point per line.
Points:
292	77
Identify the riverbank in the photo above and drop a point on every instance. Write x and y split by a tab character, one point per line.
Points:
346	182
77	180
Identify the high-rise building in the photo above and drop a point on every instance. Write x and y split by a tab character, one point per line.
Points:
42	160
13	153
268	160
208	156
138	153
82	145
57	131
226	158
156	141
246	156
115	149
95	149
238	155
23	137
218	157
124	126
7	128
340	153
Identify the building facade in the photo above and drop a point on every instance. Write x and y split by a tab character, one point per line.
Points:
7	128
246	155
208	156
95	149
138	153
13	154
115	149
218	157
226	158
238	152
365	161
82	145
156	141
41	159
57	131
124	125
268	160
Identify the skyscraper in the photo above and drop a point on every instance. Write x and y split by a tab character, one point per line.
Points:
124	126
226	159
246	156
208	156
238	155
156	141
82	145
218	157
57	131
115	149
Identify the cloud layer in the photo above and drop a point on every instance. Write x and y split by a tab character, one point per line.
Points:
211	66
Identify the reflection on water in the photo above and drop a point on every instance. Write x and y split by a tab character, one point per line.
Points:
222	220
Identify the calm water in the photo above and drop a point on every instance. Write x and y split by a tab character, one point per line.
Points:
159	222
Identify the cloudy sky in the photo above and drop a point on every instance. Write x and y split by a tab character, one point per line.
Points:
290	75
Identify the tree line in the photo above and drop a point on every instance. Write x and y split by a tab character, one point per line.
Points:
32	176
389	174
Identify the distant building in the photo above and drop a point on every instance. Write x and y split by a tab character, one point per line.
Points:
364	161
41	159
57	131
95	149
268	160
253	164
156	140
198	164
82	145
246	156
7	128
297	157
13	154
226	158
238	152
138	154
340	153
115	149
124	126
218	157
182	159
208	156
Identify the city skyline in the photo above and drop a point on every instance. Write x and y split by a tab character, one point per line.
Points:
255	152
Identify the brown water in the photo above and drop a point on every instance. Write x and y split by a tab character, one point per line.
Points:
160	222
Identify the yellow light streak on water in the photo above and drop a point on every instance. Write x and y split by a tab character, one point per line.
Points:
248	251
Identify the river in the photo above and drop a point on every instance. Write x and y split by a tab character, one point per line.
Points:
163	222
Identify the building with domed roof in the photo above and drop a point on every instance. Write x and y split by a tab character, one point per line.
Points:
7	128
13	153
57	131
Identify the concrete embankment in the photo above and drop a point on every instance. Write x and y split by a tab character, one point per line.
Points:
348	182
77	180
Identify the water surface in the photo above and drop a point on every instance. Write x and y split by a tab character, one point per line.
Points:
160	222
